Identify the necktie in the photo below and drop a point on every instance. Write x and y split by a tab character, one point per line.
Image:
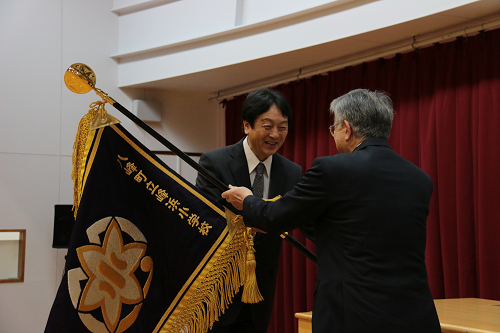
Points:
258	183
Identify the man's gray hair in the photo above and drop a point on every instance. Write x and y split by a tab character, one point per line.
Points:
369	113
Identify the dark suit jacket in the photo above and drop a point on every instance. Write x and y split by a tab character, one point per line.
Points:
229	164
369	209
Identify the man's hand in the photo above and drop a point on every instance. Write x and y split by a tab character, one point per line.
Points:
236	195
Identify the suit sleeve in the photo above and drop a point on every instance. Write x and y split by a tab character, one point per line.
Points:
307	229
204	184
303	204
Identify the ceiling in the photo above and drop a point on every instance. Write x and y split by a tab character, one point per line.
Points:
238	78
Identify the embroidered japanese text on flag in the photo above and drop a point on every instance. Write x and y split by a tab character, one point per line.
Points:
149	252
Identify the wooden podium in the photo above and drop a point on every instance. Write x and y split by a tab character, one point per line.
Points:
456	315
471	315
305	318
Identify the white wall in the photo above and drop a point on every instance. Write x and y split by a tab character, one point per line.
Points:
39	40
39	119
189	120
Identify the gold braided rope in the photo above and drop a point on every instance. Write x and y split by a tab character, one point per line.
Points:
80	151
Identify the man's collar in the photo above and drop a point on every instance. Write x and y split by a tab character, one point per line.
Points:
372	142
252	160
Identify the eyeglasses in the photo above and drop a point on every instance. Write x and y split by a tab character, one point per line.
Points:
330	128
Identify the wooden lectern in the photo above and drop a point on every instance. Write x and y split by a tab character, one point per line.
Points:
456	315
305	318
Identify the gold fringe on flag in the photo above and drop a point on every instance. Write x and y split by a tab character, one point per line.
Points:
215	292
234	268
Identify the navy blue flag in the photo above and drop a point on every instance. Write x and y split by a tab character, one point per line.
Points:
148	252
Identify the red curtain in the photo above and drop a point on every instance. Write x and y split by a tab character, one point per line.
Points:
447	121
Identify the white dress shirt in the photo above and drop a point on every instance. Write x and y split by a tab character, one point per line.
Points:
253	161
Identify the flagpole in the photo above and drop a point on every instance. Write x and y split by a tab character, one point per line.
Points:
80	79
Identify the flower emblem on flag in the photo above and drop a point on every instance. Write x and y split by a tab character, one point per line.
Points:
109	266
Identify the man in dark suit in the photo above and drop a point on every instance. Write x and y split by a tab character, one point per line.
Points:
265	115
369	207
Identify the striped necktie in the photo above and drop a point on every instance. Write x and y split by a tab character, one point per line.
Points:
258	183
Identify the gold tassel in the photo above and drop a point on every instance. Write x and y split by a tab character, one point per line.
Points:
96	118
251	292
80	153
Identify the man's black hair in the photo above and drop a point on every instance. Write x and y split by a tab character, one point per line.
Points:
259	101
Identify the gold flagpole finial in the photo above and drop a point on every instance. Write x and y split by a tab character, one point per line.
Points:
80	78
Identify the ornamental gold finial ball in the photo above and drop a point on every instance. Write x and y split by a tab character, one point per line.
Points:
80	78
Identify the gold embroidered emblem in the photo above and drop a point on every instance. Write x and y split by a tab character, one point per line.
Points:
109	270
